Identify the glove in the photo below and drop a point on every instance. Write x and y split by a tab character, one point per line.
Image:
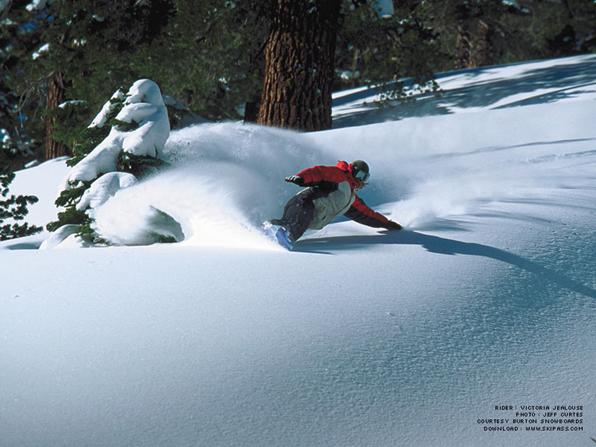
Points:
296	179
393	225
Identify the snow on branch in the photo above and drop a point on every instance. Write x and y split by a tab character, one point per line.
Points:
142	129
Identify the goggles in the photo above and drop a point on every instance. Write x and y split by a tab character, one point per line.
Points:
361	175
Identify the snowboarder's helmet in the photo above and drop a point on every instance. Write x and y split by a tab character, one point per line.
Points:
360	170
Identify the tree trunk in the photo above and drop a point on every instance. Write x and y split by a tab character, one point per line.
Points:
474	47
482	49
251	109
474	43
51	147
463	43
299	65
354	68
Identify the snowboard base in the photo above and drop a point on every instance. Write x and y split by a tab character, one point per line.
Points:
278	234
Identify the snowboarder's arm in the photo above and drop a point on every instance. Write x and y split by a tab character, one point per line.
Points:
362	214
318	174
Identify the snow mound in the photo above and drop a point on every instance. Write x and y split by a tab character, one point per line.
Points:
144	226
63	237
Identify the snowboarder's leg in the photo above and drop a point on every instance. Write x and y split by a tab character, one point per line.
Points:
298	214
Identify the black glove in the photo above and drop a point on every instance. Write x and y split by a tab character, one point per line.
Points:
393	225
296	179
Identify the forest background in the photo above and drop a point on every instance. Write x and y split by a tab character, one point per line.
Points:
274	62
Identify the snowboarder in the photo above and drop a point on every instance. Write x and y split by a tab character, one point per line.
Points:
330	191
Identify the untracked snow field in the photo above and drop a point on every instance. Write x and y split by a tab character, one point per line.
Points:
360	337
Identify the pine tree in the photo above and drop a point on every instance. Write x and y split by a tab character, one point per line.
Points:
472	32
393	48
19	37
13	209
104	160
215	56
483	32
205	54
301	65
83	141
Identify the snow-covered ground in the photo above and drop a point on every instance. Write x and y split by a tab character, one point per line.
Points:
359	337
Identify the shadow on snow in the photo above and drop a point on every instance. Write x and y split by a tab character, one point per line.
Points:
444	246
562	81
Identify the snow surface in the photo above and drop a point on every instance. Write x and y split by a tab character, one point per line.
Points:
360	336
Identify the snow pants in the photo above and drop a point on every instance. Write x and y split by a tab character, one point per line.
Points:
298	213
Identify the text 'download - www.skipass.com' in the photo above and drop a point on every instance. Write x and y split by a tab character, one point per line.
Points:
542	418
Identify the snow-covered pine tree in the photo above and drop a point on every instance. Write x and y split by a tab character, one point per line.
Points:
139	127
83	141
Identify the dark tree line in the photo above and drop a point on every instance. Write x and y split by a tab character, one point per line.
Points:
275	62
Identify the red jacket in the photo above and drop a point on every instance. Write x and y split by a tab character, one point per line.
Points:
333	176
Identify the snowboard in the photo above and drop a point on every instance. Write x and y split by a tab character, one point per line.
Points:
278	234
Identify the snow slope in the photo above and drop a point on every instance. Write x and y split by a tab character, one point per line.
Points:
360	337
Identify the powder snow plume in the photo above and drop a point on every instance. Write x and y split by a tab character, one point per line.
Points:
431	170
225	179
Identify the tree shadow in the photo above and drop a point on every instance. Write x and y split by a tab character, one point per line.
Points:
444	246
562	81
23	246
490	149
32	242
